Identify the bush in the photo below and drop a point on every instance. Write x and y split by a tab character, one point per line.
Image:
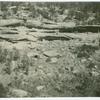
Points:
85	50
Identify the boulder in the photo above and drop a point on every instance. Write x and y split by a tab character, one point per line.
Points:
50	25
39	87
51	53
8	31
10	22
19	93
95	73
5	80
52	60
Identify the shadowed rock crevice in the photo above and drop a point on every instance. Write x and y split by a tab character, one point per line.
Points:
51	38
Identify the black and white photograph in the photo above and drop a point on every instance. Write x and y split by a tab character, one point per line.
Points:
49	49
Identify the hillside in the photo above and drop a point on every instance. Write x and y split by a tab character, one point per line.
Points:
49	49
